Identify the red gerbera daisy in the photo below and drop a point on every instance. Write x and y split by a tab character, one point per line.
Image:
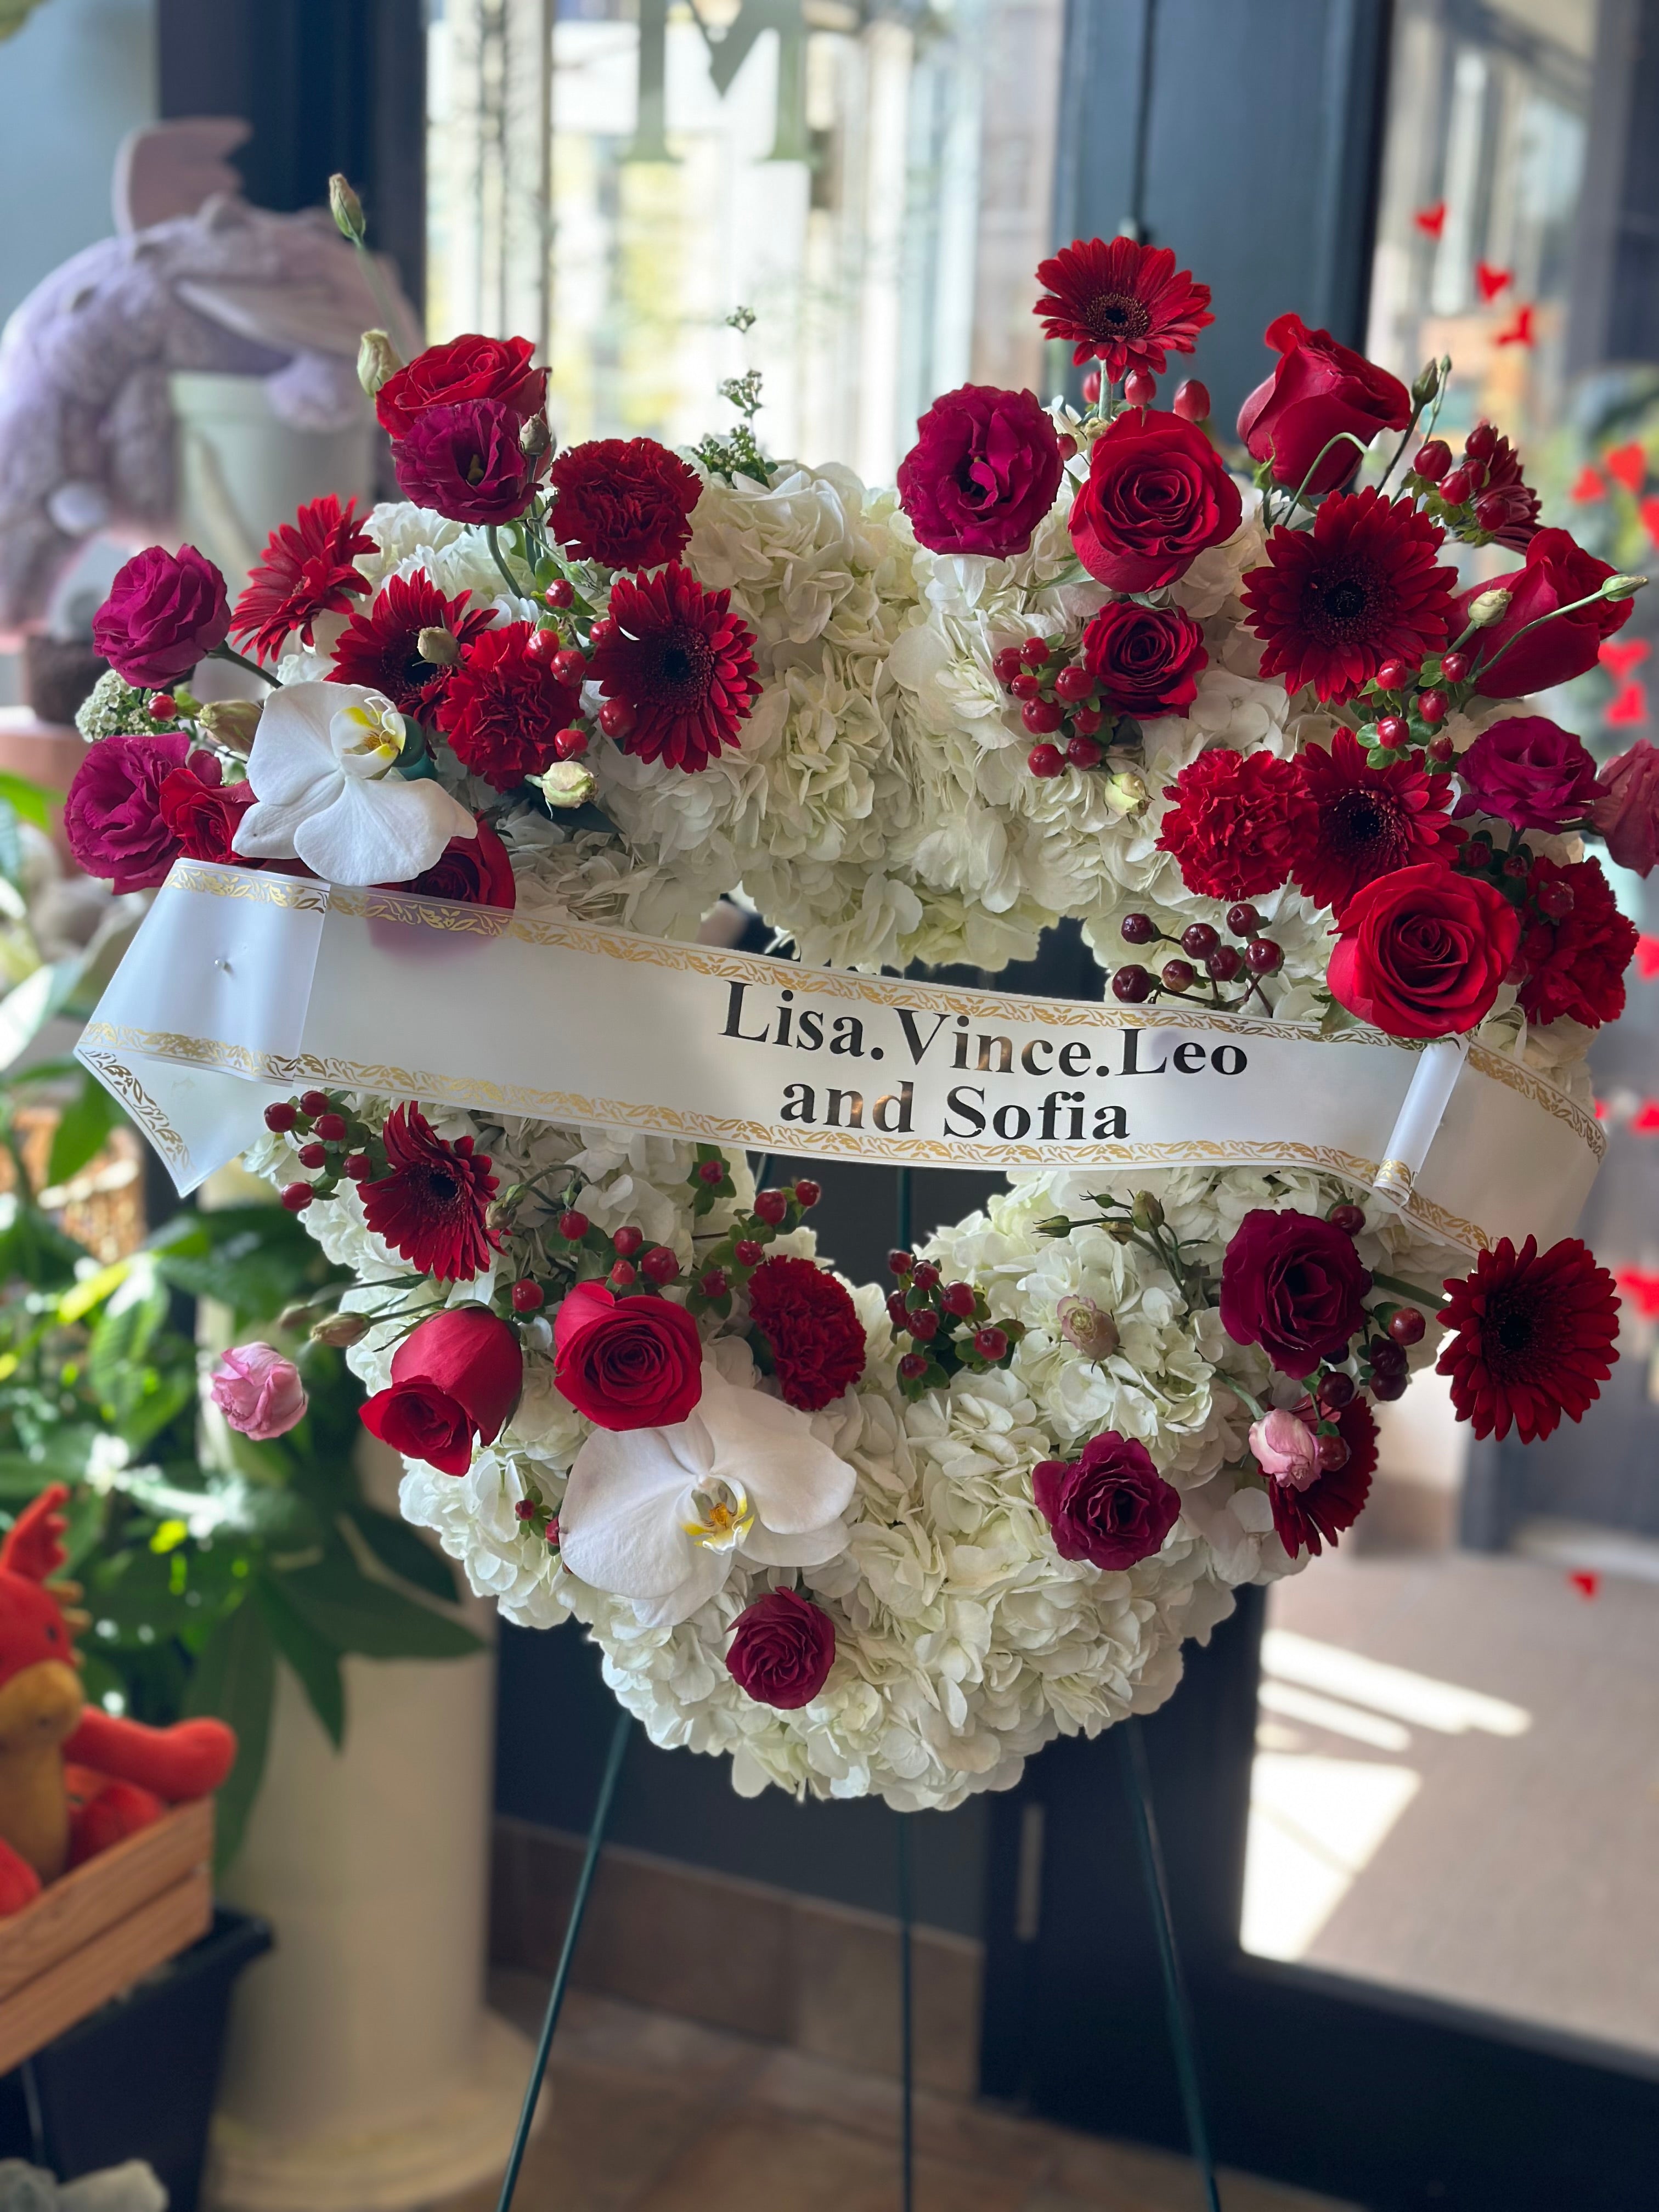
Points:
306	570
431	1207
1575	959
379	646
1367	821
810	1321
1123	302
1361	587
1238	822
1334	1500
1532	1338
681	663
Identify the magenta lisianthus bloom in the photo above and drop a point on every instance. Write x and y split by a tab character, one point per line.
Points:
1528	771
1110	1505
258	1392
164	611
466	462
114	817
1627	808
982	473
1286	1448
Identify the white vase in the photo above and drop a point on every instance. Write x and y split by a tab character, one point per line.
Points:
241	471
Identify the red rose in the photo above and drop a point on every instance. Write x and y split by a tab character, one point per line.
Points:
1238	821
982	473
625	502
781	1650
1421	952
454	1379
203	813
474	870
627	1363
1319	390
1576	961
1292	1284
466	367
1111	1506
1557	572
503	706
1158	494
164	611
1627	808
1145	660
813	1328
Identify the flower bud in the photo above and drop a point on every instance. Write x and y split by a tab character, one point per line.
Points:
1126	789
378	360
346	208
341	1329
1145	1211
1086	1327
567	783
298	1315
1491	606
439	647
1426	384
231	722
534	436
498	1217
1622	587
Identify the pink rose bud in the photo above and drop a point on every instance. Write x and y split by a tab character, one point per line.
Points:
258	1391
1286	1449
1626	809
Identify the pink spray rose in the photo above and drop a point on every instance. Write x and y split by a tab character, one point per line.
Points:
1286	1449
164	611
1626	807
258	1391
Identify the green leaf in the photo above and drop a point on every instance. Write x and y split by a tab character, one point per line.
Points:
314	1657
32	1005
356	1615
404	1552
83	1132
33	1249
34	801
235	1680
122	1333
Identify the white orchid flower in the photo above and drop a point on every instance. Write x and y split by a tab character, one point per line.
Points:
324	770
660	1516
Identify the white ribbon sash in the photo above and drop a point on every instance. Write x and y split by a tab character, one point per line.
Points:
241	987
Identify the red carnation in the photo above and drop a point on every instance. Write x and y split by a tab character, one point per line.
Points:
681	663
781	1650
1575	963
380	646
455	1380
633	1363
432	1207
813	1329
1237	824
1158	494
1334	1499
466	367
1361	587
1318	390
503	706
1532	1338
624	502
475	870
1121	303
1367	821
306	570
203	812
1147	660
1558	573
1422	952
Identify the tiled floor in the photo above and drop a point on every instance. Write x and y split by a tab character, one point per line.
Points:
652	2113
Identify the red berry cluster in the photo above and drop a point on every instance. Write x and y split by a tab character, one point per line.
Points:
1480	497
1408	705
1381	1359
619	1257
332	1140
555	642
1058	697
1191	401
1221	962
534	1512
728	1265
948	1326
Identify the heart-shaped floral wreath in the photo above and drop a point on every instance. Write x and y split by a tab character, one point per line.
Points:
895	1539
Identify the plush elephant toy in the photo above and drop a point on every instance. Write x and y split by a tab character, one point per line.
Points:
73	1779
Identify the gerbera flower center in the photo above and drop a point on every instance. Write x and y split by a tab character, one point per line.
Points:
1511	1328
1117	315
443	1189
1342	603
1362	820
681	667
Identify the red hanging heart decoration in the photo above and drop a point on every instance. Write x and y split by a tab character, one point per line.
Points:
1641	1286
1650	514
1587	484
1629	464
1491	281
1647	958
1627	706
1619	655
1519	332
1584	1581
1431	220
1645	1122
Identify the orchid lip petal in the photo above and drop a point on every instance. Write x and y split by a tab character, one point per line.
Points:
620	1524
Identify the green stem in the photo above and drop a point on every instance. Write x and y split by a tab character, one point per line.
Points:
1573	607
1431	1299
240	660
493	534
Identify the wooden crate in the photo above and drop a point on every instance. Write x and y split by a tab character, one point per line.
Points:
89	1936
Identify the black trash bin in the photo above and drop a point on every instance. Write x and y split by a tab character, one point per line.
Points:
137	2078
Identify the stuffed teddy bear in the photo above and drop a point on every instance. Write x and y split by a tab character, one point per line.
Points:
73	1779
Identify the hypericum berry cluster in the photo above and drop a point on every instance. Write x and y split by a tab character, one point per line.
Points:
1059	697
1191	401
1377	1365
332	1141
948	1326
1408	706
620	1257
1479	497
733	1258
1255	957
533	1512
